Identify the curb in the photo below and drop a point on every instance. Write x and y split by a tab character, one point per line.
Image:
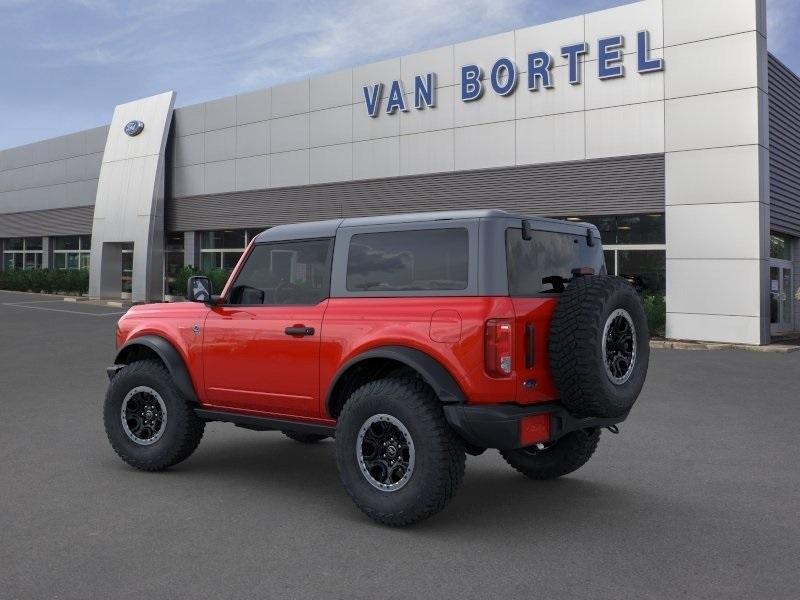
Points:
683	345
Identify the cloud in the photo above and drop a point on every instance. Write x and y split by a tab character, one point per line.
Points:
86	56
343	35
256	44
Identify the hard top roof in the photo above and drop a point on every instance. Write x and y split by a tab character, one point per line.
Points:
322	229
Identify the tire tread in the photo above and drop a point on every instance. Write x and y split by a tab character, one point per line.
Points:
188	435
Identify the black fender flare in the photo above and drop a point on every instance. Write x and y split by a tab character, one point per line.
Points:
430	369
171	358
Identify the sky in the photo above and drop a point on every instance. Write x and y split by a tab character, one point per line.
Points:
65	64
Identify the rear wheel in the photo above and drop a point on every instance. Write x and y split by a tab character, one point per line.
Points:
548	461
397	456
304	438
150	425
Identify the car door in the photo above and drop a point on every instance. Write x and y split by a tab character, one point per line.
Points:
261	345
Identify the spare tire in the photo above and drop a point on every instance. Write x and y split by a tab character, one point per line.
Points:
599	346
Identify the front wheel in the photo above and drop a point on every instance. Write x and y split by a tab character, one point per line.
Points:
397	456
548	461
150	425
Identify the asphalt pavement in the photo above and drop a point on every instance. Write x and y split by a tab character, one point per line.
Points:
698	497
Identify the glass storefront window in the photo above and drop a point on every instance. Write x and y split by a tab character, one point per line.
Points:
634	248
173	262
22	253
222	249
127	268
69	242
33	243
611	261
646	270
641	229
222	240
72	252
780	247
627	229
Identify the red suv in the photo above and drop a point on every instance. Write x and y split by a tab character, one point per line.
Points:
411	339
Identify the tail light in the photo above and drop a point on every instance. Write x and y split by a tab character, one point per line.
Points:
499	347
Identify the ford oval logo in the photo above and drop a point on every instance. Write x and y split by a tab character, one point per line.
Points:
134	128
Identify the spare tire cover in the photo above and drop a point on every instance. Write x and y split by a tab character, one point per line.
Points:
599	346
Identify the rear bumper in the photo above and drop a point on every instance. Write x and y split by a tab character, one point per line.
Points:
499	425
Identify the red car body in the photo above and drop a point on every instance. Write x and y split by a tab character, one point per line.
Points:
410	339
239	358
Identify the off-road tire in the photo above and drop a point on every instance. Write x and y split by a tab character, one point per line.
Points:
566	455
440	456
576	346
305	438
183	430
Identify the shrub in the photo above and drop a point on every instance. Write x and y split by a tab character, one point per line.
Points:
655	309
181	278
218	278
51	281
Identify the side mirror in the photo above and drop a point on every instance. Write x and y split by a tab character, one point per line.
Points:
199	289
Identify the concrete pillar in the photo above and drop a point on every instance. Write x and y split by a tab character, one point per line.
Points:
717	170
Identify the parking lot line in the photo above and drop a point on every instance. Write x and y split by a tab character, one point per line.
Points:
61	302
61	310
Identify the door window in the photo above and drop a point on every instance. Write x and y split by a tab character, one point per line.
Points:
780	295
285	273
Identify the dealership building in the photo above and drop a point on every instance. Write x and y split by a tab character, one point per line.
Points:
665	122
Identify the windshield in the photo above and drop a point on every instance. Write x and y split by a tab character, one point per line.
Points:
536	266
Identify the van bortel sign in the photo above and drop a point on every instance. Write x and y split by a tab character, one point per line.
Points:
504	75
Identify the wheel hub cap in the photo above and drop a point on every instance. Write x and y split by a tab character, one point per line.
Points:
619	346
143	415
385	453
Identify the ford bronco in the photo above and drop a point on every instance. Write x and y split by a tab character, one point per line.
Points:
412	340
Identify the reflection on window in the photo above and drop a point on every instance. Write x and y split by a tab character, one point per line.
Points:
627	229
646	270
72	252
22	253
546	255
285	273
780	247
127	267
222	249
173	262
431	259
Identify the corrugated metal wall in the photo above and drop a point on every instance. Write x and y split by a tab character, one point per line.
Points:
57	221
784	147
626	185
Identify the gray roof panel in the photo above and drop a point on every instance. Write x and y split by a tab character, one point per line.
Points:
300	231
322	229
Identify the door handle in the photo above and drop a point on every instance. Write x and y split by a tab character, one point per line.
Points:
299	330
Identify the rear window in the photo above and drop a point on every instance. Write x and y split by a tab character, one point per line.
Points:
548	254
399	261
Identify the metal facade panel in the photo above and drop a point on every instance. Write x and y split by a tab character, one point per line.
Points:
129	205
784	148
57	173
627	185
58	221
